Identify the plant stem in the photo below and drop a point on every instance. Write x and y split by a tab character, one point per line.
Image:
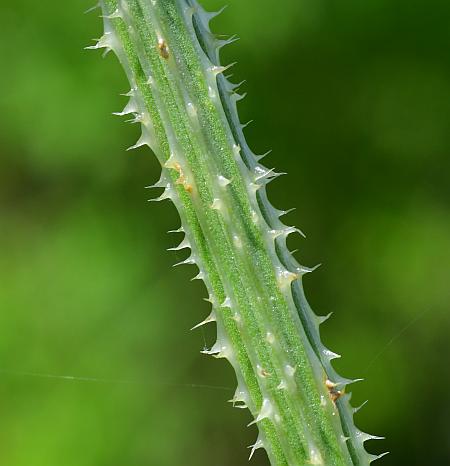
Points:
265	328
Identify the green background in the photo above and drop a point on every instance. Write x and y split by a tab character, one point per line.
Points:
354	99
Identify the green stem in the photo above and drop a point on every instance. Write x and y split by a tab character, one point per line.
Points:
266	330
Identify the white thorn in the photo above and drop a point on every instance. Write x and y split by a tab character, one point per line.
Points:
161	183
270	338
254	187
262	172
237	241
364	436
220	69
260	157
377	457
171	162
303	270
183	245
244	125
223	181
264	413
322	319
282	385
210	318
190	260
216	204
236	150
130	93
349	382
315	457
355	410
226	302
240	396
330	354
285	232
103	42
258	444
290	371
130	107
179	230
113	15
285	212
92	8
142	141
191	110
199	276
285	277
167	194
210	299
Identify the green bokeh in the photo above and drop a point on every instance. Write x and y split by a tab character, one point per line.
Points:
354	99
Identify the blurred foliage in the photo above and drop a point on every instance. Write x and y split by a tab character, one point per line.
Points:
354	98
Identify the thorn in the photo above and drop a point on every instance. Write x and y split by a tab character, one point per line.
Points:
130	93
364	436
210	299
223	42
285	232
355	410
244	125
226	302
199	276
282	385
322	319
330	354
260	157
130	107
235	87
92	8
171	162
113	15
183	245
220	69
290	371
258	444
254	187
349	382
142	141
262	172
210	318
216	204
239	397
223	182
238	97
165	195
285	212
377	457
159	184
103	42
190	260
209	15
265	412
302	270
179	230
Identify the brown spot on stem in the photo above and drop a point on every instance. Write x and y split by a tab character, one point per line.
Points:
182	178
334	393
163	49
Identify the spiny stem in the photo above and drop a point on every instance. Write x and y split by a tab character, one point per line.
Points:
265	328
